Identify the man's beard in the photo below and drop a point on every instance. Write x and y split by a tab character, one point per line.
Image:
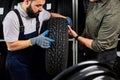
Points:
30	12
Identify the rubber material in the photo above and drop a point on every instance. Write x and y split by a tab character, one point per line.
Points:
57	55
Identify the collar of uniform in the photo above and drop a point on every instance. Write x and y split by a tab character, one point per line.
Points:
22	12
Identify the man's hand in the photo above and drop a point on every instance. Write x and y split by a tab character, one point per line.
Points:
42	40
72	32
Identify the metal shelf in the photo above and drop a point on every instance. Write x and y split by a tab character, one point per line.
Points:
2	40
75	24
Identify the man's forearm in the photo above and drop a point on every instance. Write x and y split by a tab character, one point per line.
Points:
85	41
18	45
57	15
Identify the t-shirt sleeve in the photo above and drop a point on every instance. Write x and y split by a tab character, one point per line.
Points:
43	16
11	27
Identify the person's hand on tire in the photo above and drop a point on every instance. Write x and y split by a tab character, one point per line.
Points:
42	40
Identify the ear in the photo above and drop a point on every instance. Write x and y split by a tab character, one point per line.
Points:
27	2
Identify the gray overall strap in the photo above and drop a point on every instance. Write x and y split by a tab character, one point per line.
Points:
21	22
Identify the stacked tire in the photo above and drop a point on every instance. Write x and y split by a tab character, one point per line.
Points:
87	70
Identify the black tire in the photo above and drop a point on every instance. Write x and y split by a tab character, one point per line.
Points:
87	70
57	55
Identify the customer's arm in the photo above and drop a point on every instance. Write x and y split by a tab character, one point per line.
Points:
87	42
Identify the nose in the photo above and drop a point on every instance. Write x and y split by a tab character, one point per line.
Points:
40	8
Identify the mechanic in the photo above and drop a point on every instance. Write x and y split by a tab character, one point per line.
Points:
25	44
100	36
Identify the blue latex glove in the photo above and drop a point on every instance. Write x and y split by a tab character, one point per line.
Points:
69	21
42	40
